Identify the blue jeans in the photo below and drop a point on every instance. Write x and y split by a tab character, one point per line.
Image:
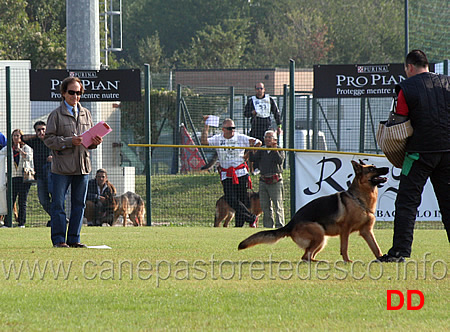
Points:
44	189
60	184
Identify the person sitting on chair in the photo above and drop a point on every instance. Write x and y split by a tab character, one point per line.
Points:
100	200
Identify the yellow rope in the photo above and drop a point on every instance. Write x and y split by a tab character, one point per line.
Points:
251	148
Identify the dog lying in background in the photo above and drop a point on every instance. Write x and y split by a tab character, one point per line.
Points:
340	214
225	212
132	205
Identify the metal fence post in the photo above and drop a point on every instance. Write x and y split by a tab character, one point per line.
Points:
176	151
292	132
148	140
362	125
284	118
9	203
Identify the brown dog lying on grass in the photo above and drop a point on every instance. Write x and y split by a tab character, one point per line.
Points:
132	205
225	212
340	214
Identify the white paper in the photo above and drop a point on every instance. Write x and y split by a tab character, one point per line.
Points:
212	121
103	246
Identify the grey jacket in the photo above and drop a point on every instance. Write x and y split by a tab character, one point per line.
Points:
61	126
270	162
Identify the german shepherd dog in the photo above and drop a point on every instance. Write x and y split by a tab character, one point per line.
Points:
225	212
129	204
340	214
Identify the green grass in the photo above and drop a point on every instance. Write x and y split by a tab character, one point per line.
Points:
193	278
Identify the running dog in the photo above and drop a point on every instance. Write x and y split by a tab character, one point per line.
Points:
225	212
132	205
340	214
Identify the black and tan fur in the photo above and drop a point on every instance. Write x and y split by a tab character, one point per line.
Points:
340	214
225	212
132	205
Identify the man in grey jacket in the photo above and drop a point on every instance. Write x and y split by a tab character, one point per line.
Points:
70	163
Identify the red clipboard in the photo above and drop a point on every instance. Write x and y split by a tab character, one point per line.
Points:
100	129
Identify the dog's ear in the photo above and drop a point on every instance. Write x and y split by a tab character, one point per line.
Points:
361	162
356	166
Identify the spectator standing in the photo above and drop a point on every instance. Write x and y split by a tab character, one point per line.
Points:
259	107
100	200
42	163
425	98
234	171
71	164
22	158
271	182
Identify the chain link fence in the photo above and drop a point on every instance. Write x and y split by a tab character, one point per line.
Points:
180	195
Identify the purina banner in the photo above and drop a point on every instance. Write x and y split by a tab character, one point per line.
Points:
99	85
320	174
350	81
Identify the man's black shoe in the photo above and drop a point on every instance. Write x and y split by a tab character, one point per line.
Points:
61	245
390	259
77	245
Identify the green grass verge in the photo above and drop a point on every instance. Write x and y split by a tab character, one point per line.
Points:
193	278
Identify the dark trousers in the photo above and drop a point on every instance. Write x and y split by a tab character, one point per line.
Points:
21	190
237	197
435	166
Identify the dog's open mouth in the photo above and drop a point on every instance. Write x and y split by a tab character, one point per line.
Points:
376	180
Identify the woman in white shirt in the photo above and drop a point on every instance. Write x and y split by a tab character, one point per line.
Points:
22	158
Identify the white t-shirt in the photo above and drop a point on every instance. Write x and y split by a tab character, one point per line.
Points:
231	157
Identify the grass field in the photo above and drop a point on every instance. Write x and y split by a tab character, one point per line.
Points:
193	278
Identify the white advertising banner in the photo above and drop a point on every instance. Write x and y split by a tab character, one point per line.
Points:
320	174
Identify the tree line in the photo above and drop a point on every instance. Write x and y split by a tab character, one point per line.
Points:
206	34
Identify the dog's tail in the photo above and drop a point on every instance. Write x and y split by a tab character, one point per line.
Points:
268	237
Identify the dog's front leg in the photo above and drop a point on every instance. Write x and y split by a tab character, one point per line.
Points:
344	245
371	241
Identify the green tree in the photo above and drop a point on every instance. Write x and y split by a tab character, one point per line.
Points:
365	31
151	52
303	36
176	22
33	30
219	46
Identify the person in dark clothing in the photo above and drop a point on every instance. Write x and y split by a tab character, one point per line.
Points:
425	98
42	158
259	108
100	200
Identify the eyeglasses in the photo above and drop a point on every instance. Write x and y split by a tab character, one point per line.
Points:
259	88
71	92
230	128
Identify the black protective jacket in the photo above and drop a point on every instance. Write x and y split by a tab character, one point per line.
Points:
428	98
